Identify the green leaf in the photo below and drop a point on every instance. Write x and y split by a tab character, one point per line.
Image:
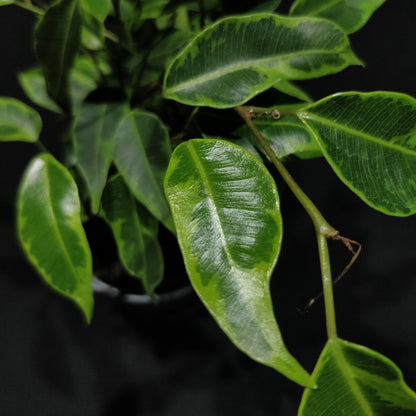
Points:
57	39
351	15
83	79
227	216
51	233
239	57
354	380
135	233
152	9
6	2
286	136
92	35
289	88
18	122
142	156
369	139
93	140
97	8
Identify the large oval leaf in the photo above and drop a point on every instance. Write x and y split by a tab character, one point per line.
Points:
57	39
18	122
370	141
351	15
239	57
99	9
93	140
354	380
135	234
226	211
142	156
51	233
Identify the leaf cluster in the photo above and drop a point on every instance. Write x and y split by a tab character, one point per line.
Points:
154	146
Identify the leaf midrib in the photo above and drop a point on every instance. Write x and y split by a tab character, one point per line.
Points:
349	377
210	194
56	228
305	116
247	64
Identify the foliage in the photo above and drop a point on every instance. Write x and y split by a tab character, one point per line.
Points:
134	80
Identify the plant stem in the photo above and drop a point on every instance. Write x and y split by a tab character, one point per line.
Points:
331	328
29	6
321	225
322	228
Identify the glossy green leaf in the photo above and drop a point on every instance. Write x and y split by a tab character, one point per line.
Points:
142	156
97	8
239	57
18	122
51	233
6	2
57	39
369	139
93	140
354	380
227	216
286	136
351	15
83	79
135	233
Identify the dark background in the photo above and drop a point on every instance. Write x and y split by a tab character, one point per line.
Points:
174	360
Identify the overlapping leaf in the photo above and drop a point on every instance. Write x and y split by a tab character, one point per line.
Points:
351	15
142	155
239	57
93	140
227	216
135	233
18	122
354	380
286	136
57	39
99	9
83	78
51	233
370	141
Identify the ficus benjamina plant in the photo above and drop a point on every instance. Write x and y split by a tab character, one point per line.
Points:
138	81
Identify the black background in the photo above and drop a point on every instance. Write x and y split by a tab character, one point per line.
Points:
175	361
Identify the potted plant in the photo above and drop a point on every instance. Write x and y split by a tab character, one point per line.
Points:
177	115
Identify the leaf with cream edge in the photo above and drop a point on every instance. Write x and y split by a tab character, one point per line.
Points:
369	139
239	57
351	15
354	380
18	122
51	233
227	216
